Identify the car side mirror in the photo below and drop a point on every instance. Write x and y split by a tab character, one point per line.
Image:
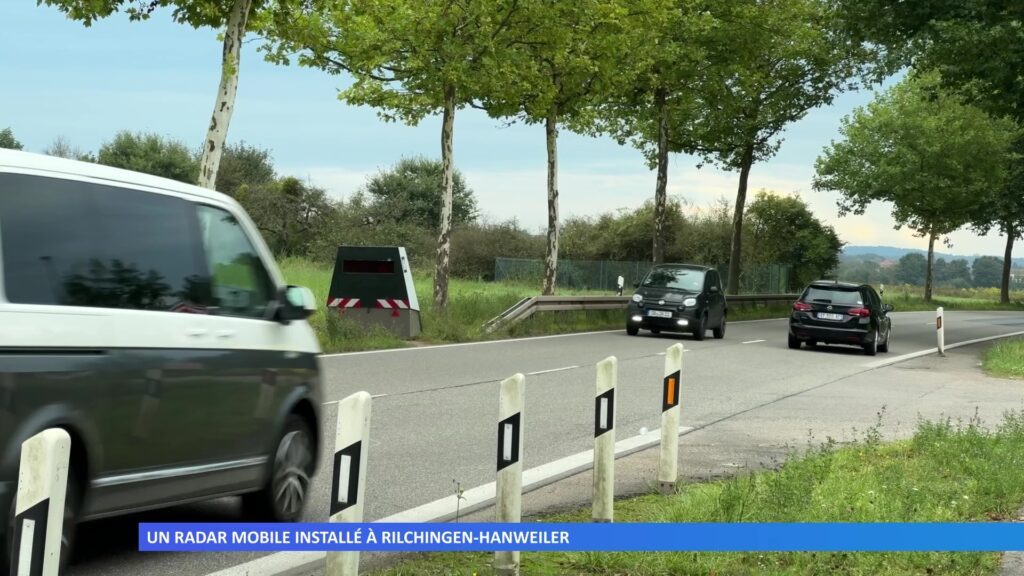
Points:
887	308
636	284
294	303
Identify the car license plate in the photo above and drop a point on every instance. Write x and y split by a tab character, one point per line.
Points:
659	313
829	316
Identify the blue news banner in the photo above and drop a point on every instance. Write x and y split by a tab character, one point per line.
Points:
695	537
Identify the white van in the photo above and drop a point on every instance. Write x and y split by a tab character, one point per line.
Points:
148	319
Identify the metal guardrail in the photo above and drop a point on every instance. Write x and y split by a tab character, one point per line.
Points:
529	306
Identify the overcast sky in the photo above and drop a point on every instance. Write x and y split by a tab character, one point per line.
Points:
58	78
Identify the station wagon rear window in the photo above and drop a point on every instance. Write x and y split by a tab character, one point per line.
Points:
840	296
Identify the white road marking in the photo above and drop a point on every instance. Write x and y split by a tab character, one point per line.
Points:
507	340
920	353
336	401
753	341
444	508
562	369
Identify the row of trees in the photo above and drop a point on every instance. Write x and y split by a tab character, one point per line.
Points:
400	205
945	145
912	269
717	78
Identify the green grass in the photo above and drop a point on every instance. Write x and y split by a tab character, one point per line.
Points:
1006	359
473	302
946	472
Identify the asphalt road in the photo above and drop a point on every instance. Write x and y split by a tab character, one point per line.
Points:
434	419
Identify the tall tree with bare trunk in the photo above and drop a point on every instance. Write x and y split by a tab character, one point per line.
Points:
562	60
231	17
409	59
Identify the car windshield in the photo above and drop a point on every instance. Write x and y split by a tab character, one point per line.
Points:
686	279
834	296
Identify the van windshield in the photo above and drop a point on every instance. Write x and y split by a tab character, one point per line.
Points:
686	279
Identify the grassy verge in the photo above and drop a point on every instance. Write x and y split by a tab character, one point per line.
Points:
472	303
946	472
1006	359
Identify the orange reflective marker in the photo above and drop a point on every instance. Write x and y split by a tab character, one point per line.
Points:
671	391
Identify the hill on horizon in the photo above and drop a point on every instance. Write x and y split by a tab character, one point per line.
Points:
895	253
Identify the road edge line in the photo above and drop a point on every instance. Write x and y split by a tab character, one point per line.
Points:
443	509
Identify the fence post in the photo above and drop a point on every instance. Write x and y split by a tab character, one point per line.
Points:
509	493
39	511
668	466
604	440
348	483
940	331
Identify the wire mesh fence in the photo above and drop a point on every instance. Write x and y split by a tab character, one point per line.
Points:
602	275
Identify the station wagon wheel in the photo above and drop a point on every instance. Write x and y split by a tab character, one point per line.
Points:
284	497
871	348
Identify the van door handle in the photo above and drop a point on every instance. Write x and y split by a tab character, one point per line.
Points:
197	332
225	333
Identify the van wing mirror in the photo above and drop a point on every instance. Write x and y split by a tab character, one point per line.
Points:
294	303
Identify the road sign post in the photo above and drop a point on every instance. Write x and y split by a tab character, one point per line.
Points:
39	511
604	440
509	489
940	331
348	483
668	466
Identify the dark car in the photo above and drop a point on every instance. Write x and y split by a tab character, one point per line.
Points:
678	298
832	312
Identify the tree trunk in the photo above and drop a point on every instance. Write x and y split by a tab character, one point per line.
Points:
931	266
551	257
737	223
661	188
444	238
1004	290
224	106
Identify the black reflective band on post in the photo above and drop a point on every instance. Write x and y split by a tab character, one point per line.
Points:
38	515
353	452
609	417
508	455
670	391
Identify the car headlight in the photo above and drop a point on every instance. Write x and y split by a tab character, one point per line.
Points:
638	298
690	302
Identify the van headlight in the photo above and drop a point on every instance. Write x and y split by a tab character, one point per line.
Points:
690	302
638	298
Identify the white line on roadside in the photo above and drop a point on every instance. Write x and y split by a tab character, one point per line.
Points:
919	353
562	369
753	341
507	340
443	509
336	401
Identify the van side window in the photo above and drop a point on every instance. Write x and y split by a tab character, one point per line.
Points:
73	243
241	285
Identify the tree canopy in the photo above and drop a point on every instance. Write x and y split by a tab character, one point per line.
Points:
151	154
409	192
7	140
925	151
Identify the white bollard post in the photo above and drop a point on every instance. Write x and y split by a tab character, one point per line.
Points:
604	440
940	331
668	472
39	512
509	494
348	484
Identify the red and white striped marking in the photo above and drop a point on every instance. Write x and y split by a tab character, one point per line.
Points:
343	303
393	304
